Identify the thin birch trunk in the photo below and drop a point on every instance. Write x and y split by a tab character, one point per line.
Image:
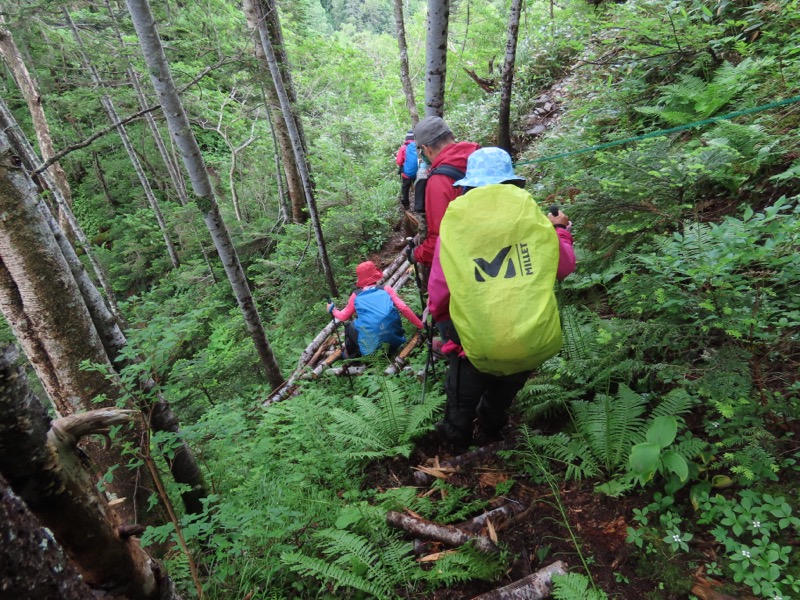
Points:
30	91
206	201
294	183
536	586
436	56
504	125
284	208
111	112
177	181
405	77
21	146
254	11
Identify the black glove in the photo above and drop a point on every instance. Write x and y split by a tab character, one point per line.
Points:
400	169
410	255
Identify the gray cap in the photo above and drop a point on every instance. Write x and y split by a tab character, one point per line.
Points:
430	128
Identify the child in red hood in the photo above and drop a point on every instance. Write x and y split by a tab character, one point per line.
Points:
377	312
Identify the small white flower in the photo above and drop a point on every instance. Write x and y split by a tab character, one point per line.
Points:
777	597
676	537
715	425
756	524
746	553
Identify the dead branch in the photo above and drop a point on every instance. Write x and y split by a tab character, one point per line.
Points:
506	511
400	360
424	477
447	534
67	431
113	127
487	85
533	587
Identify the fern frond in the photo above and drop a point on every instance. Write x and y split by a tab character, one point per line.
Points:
339	577
574	586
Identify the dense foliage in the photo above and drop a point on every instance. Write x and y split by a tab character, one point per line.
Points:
677	387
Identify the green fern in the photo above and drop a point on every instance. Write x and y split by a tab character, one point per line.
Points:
611	426
354	561
574	586
386	426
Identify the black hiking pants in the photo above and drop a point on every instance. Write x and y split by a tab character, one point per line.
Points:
471	393
405	189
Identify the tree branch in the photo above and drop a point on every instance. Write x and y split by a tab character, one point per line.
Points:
83	143
67	431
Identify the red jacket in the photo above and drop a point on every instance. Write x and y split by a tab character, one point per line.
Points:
439	192
400	158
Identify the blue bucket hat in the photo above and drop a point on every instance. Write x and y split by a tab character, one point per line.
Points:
487	166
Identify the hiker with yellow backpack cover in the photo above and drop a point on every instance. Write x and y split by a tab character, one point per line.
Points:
491	293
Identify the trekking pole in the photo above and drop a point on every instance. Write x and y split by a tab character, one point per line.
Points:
341	346
428	326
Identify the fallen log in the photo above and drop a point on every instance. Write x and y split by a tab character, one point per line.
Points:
400	360
447	534
703	590
533	587
453	465
392	268
402	270
506	511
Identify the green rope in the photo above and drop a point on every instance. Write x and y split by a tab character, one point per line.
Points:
661	132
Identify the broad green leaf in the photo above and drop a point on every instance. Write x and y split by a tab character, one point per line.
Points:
675	463
662	432
644	459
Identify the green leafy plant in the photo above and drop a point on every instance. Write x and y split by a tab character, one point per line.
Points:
648	457
575	586
385	426
753	530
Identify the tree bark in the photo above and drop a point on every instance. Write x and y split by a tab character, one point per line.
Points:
504	125
204	194
294	183
405	77
254	9
32	563
111	113
284	204
436	56
447	534
43	467
533	587
174	172
30	91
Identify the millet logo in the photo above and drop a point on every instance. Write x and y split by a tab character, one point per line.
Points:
492	269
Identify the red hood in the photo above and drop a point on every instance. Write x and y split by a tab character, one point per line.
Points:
455	155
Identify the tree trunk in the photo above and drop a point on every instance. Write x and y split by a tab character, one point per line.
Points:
32	563
108	324
536	586
504	126
91	296
46	310
254	10
177	182
447	534
193	161
42	465
294	179
294	184
111	113
284	206
436	56
405	78
30	92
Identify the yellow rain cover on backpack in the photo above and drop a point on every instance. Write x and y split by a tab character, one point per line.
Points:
499	255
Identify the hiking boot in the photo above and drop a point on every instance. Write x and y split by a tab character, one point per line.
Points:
459	442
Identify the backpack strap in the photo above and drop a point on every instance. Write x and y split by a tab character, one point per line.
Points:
448	170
